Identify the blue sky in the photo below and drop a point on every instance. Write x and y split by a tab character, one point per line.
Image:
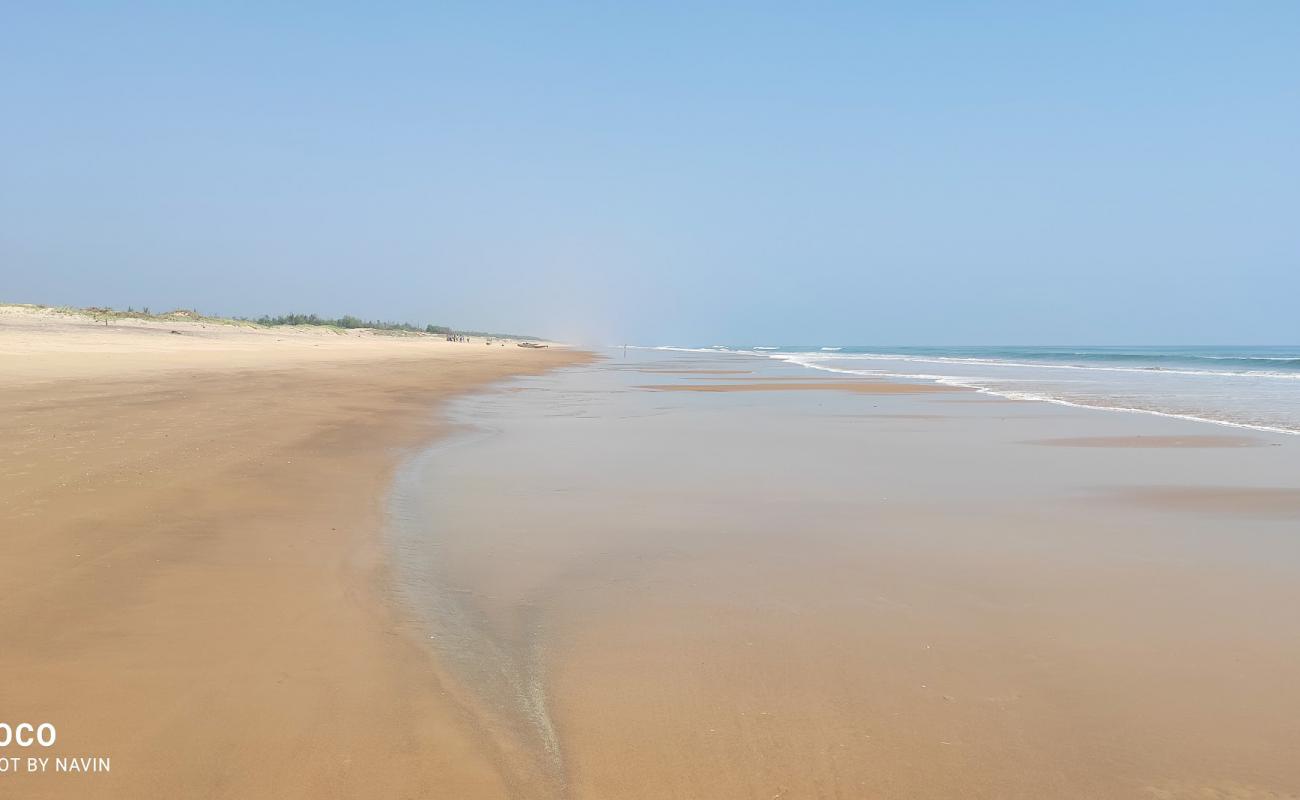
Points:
737	172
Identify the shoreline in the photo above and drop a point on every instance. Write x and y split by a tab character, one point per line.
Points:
787	591
197	585
978	385
345	565
471	662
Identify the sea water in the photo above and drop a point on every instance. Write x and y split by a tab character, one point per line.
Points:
1251	387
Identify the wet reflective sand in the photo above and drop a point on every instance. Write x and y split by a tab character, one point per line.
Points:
774	593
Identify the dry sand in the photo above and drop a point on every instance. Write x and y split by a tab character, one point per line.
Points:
192	578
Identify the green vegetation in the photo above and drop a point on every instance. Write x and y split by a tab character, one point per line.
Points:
346	322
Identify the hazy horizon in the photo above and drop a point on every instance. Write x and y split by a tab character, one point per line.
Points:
928	175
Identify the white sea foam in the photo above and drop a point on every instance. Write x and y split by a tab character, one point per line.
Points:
992	362
1164	401
984	386
717	348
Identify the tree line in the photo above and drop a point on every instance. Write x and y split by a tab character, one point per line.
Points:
348	321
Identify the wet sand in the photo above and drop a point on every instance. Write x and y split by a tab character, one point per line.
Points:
1189	440
783	593
857	387
1217	500
694	371
193	576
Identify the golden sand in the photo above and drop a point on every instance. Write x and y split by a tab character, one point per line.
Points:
194	586
193	579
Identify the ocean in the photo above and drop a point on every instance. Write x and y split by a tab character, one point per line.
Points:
1247	387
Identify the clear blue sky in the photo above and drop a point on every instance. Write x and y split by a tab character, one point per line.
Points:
746	172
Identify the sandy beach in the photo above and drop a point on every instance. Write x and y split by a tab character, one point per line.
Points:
193	575
659	401
293	563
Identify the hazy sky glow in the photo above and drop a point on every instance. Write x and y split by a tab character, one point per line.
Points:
814	173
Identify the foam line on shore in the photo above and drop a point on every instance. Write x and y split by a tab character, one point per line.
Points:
969	383
812	361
